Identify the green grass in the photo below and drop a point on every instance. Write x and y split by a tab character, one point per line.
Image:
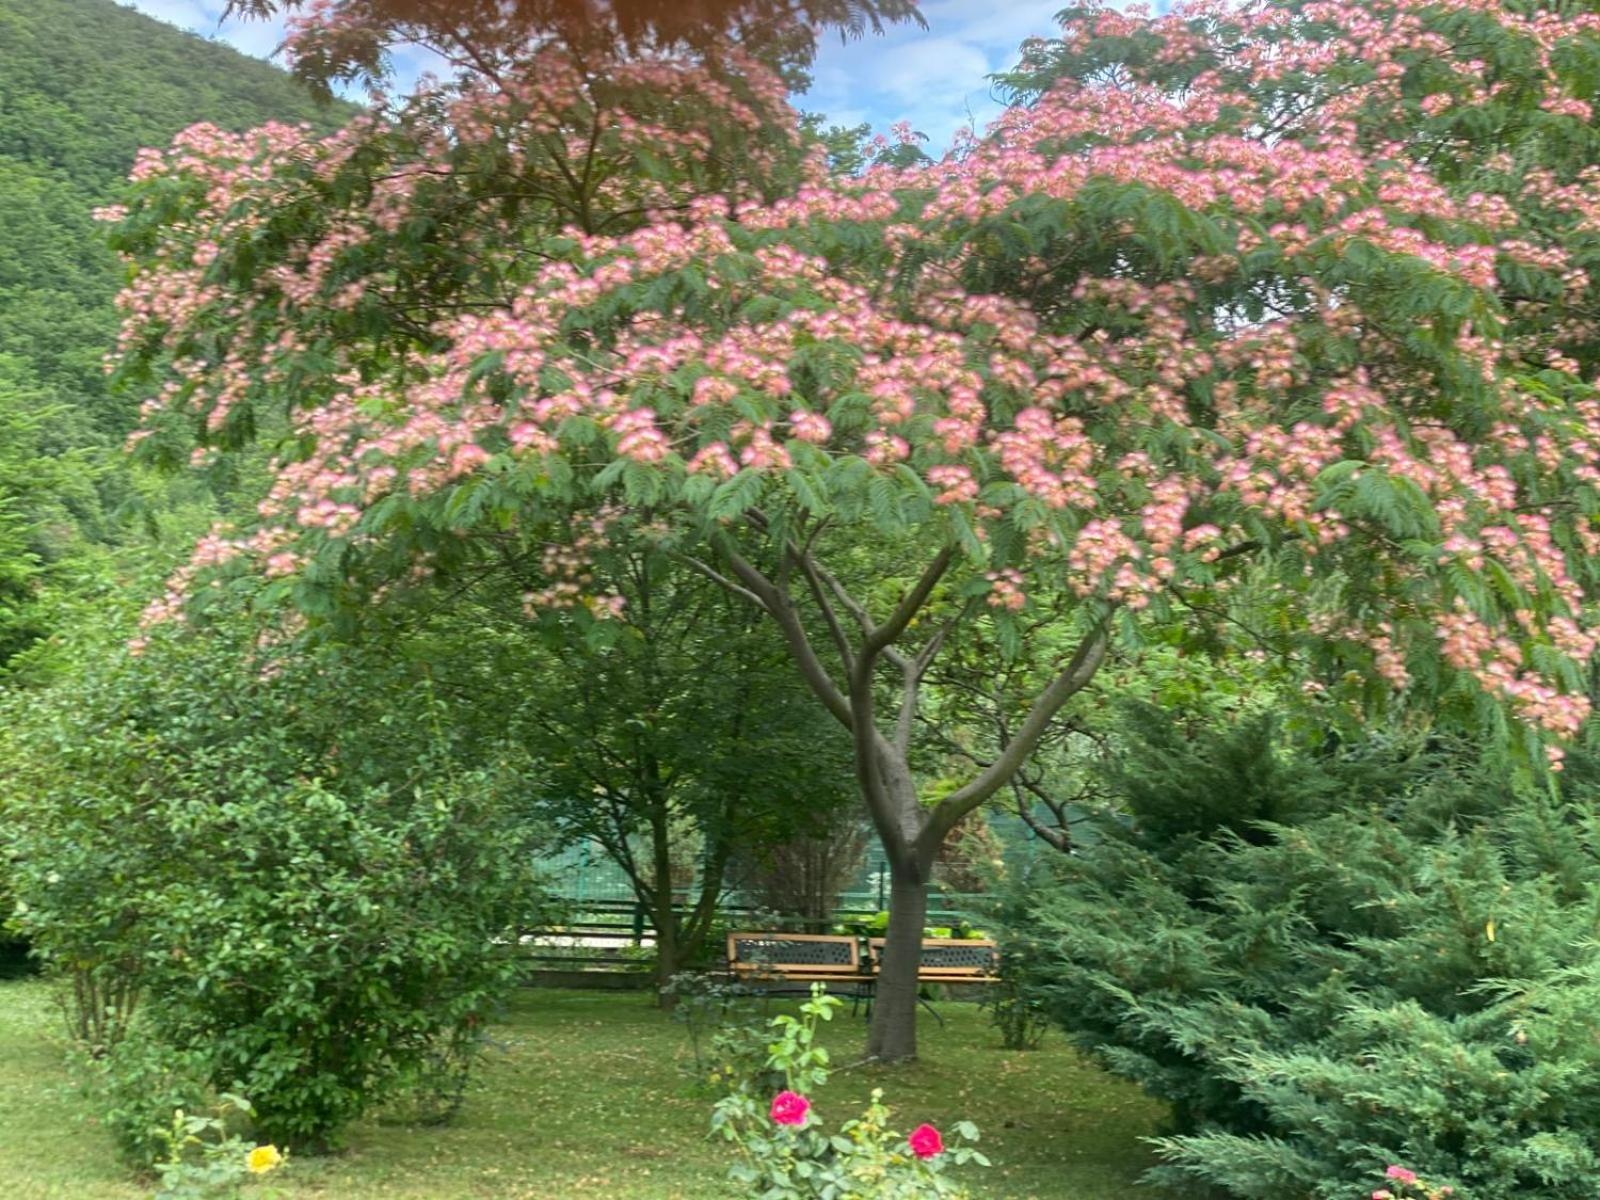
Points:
583	1096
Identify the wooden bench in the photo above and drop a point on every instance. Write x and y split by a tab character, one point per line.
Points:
795	957
942	960
807	958
947	960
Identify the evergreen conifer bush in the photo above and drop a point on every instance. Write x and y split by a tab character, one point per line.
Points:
1330	962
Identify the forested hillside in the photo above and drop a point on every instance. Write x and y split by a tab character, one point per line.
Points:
83	85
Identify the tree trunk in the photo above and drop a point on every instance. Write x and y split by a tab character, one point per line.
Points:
669	955
668	952
893	1036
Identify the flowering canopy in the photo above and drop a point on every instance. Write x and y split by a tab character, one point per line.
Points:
1183	314
349	39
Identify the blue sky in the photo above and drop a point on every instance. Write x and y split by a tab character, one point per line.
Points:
934	78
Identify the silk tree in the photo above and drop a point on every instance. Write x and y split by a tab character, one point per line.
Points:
1140	348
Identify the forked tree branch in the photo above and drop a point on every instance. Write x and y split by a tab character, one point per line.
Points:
781	609
813	574
885	635
1073	678
913	671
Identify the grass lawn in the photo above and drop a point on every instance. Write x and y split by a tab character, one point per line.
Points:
583	1096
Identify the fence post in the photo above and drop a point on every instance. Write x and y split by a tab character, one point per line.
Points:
638	923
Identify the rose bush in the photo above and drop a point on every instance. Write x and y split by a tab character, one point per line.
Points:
785	1153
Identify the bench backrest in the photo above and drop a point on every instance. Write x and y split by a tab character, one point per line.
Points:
795	955
948	958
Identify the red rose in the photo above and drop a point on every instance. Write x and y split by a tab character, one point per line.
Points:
790	1108
925	1141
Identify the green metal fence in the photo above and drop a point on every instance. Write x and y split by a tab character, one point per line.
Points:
582	874
582	877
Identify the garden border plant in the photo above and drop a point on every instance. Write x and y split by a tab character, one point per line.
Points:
784	1152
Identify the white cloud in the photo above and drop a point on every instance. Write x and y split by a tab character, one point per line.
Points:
998	24
258	38
934	78
912	71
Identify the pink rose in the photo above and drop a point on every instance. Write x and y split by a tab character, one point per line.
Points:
1403	1175
790	1108
1383	1194
925	1141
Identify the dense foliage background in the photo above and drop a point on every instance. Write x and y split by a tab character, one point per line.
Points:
541	427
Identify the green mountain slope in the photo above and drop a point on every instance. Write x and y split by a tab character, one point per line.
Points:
88	82
83	85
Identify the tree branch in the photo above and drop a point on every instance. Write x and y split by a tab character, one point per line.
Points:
912	673
781	608
885	635
1074	677
1057	838
809	569
723	581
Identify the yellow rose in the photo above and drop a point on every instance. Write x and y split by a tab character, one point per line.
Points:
263	1159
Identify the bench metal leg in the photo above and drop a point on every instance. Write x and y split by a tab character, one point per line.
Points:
863	992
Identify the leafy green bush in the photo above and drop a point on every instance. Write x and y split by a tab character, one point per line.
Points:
134	1087
1330	962
290	862
877	926
1016	1009
727	1033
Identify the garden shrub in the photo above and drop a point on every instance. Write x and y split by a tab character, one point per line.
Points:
783	1152
727	1032
1017	1010
314	895
1330	962
135	1085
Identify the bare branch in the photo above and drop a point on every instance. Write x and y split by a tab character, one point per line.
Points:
1059	835
930	651
1056	837
853	606
814	580
723	581
862	617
